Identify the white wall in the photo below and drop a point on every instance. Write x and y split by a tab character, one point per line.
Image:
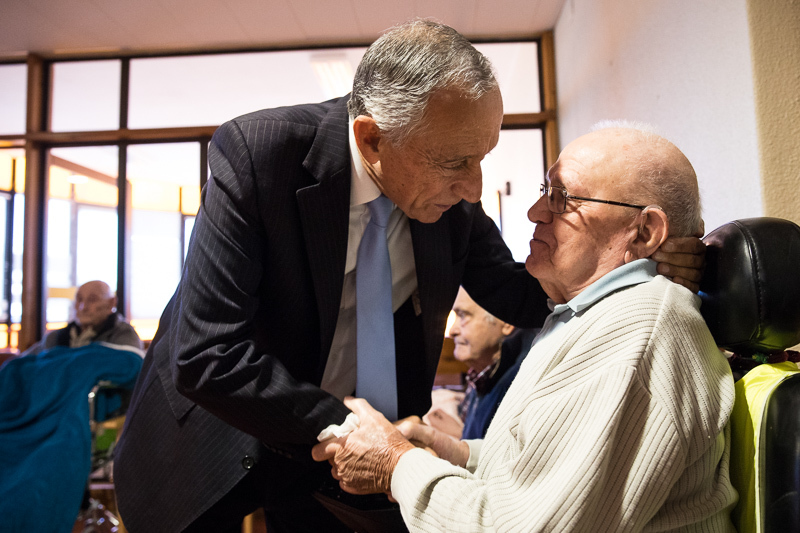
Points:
683	66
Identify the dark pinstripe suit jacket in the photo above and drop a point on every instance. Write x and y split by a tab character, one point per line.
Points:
243	344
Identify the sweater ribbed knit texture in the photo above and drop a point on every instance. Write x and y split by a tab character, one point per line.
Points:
618	424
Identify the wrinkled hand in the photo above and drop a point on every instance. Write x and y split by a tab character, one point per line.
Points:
443	421
364	460
682	259
449	448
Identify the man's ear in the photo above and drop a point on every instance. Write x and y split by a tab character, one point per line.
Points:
507	329
368	136
652	231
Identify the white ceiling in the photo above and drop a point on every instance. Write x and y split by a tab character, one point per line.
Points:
72	26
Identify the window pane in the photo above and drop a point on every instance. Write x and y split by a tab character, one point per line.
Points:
517	67
157	174
198	91
5	200
154	234
12	167
97	232
16	259
190	199
86	95
178	91
59	251
81	223
12	170
188	226
512	173
58	311
13	88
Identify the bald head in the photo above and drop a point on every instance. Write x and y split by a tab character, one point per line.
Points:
93	303
645	168
615	195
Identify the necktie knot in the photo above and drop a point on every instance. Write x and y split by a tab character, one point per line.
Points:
380	208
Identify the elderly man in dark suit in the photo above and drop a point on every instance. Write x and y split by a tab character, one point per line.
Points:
257	348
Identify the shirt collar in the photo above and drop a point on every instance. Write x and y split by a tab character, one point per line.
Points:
362	189
633	273
479	379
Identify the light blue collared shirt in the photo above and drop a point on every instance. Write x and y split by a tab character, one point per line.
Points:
633	273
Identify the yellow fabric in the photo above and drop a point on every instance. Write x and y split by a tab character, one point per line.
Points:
752	393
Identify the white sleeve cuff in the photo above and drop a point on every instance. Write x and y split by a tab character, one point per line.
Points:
475	446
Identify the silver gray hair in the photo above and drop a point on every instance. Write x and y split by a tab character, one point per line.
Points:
405	66
665	177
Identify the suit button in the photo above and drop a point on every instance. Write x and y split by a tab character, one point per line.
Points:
248	462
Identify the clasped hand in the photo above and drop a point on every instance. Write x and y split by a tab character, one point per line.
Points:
363	461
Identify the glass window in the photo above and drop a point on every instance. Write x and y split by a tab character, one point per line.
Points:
97	227
86	95
82	227
5	201
154	234
517	68
13	88
59	277
199	91
176	91
512	173
16	258
163	189
59	249
12	213
188	226
164	179
8	168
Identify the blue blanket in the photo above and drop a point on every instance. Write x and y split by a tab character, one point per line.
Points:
45	437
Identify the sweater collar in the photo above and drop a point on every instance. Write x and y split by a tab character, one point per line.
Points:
633	273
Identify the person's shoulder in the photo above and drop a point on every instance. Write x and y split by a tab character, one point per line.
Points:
660	291
124	324
301	115
123	333
676	299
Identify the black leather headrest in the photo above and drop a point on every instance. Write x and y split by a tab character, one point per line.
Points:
751	285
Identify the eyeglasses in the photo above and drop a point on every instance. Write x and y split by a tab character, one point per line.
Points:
557	199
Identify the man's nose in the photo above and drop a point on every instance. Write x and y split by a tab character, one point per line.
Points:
470	185
454	329
539	212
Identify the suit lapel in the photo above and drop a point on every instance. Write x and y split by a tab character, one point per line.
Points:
324	212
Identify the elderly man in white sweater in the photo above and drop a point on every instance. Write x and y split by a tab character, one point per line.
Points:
618	418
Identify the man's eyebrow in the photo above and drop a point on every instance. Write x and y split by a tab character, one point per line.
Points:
447	158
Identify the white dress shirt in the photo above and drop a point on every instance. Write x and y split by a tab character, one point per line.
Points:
339	378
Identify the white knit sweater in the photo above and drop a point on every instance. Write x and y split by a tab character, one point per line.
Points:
617	423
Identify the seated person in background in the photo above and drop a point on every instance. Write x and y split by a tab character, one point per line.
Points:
493	350
46	441
618	418
96	320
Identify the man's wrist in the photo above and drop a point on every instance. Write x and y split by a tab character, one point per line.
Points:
398	450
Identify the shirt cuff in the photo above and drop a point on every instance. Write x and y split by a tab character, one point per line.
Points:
349	425
475	446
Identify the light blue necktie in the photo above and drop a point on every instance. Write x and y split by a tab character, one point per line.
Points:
376	375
